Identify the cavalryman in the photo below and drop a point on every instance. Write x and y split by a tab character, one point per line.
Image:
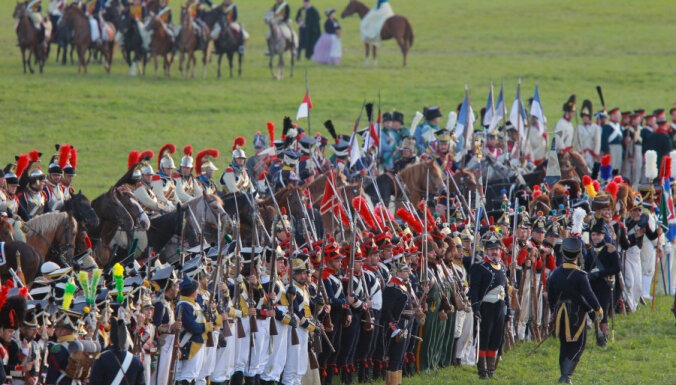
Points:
163	184
424	133
145	194
31	183
287	175
407	154
443	148
230	12
54	194
187	186
306	165
206	168
235	178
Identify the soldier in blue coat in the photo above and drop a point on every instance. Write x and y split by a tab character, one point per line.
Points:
487	292
570	299
117	365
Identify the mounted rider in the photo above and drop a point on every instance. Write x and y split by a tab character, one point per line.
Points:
9	201
235	178
53	190
163	185
145	194
44	27
187	186
206	168
287	175
195	7
407	151
55	10
443	148
280	14
307	169
31	183
230	13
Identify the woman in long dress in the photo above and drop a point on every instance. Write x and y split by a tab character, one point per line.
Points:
328	49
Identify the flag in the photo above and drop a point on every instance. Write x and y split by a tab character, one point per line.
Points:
371	139
667	215
488	116
499	112
353	149
330	199
305	105
514	114
536	111
464	118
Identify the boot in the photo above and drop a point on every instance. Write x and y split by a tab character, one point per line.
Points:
601	339
237	378
399	380
361	372
567	369
481	366
454	360
249	381
490	366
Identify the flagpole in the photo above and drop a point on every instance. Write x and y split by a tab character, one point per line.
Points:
504	119
466	144
468	132
380	131
519	106
307	94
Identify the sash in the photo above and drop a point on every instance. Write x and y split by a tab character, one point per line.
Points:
616	131
280	8
123	369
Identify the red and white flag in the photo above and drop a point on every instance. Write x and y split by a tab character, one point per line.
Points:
304	108
330	199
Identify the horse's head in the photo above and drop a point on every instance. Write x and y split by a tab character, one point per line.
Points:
19	10
133	207
465	180
6	230
154	22
349	10
186	17
436	181
81	209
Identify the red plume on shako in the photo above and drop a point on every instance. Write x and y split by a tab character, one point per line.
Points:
187	161
164	159
237	148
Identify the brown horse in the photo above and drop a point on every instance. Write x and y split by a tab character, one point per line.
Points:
52	235
29	39
397	27
466	182
188	42
82	37
414	177
161	44
278	44
30	259
112	217
6	230
318	185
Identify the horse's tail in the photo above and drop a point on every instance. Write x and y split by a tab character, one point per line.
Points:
408	34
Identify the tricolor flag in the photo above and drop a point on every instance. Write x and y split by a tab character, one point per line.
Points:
490	109
536	111
518	121
499	112
371	139
466	116
304	107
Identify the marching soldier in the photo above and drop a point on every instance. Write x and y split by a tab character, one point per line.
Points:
588	136
397	315
235	178
164	281
187	186
570	299
206	168
194	328
601	265
117	363
163	184
488	290
564	132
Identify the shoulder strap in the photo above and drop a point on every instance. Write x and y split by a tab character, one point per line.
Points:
122	373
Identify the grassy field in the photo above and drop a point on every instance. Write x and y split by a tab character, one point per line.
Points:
642	353
568	47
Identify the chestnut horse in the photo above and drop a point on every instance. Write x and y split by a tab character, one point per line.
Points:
395	27
188	42
6	230
414	177
52	235
82	37
160	44
14	251
29	39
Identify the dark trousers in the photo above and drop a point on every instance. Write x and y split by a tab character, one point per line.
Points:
492	328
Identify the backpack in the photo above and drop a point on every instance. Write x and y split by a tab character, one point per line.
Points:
82	355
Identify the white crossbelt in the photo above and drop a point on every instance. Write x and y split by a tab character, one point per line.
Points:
123	369
496	294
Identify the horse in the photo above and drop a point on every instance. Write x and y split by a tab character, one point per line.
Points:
188	42
227	42
414	178
166	233
330	220
318	185
6	230
52	235
63	38
161	44
396	26
13	252
153	6
82	37
29	39
81	209
203	215
132	42
112	216
125	239
292	199
278	44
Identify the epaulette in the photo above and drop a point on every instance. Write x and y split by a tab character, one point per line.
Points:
229	169
156	177
176	175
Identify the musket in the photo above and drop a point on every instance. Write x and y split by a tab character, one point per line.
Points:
208	313
237	278
534	303
463	201
19	271
175	351
181	249
477	222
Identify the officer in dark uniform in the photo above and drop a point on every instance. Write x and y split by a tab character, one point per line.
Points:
340	309
117	361
349	339
397	316
601	265
570	299
287	175
306	165
487	293
31	184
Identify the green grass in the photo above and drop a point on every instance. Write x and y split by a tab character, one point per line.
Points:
643	353
568	47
